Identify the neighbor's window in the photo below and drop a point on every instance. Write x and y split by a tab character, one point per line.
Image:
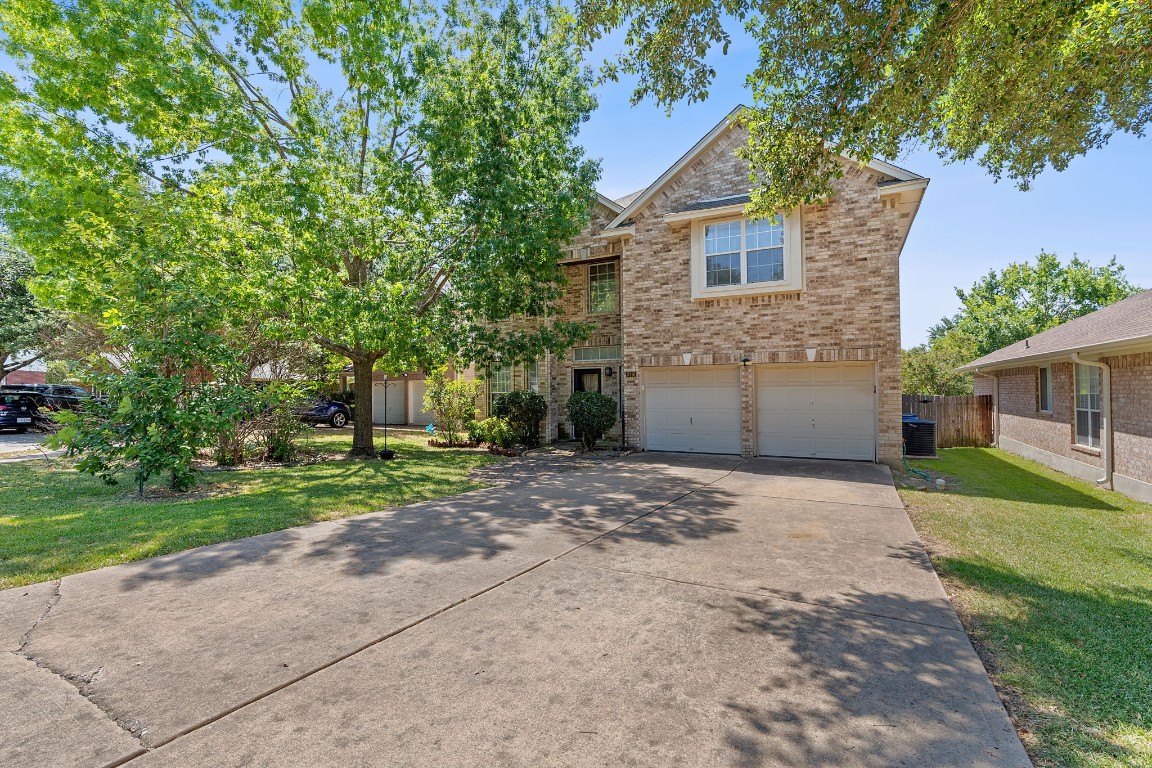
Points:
602	287
1044	390
499	382
742	252
1087	406
534	376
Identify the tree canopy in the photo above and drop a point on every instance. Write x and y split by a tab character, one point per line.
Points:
1017	85
385	179
1026	298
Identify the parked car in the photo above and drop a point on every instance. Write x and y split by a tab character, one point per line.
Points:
328	412
17	411
54	397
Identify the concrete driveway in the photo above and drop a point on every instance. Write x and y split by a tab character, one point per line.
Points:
660	610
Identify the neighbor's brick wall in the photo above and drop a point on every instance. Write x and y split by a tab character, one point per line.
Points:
1021	420
23	377
1132	415
849	310
983	384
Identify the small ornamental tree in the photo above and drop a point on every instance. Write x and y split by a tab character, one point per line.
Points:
524	410
452	403
592	414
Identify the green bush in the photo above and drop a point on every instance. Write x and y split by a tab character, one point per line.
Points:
592	414
452	403
282	426
524	410
148	424
498	432
475	432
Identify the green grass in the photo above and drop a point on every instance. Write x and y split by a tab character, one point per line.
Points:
1053	579
55	521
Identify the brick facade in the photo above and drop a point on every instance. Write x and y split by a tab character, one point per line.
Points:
1025	429
848	308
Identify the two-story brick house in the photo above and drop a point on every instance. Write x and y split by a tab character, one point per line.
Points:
720	334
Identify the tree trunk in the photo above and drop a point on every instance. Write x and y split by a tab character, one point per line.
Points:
362	424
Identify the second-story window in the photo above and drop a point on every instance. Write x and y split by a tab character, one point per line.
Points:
602	288
741	252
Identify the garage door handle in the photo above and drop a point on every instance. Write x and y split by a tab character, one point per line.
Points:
689	419
813	423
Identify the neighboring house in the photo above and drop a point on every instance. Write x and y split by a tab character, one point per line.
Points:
396	399
1078	397
33	373
719	334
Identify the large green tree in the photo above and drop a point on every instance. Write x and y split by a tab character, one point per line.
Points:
1024	299
27	328
1018	85
385	178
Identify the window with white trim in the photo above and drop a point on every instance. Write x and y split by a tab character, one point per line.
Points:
499	383
602	287
534	376
1087	406
1044	389
743	256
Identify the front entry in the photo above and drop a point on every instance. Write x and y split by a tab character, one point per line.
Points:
585	380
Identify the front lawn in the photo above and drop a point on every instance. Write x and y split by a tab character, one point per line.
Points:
1053	580
55	521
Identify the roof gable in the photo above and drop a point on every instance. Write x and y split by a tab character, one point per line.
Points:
640	200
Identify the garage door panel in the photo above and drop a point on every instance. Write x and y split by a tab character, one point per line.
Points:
817	411
692	410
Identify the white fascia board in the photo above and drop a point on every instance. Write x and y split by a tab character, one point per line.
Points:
1115	348
706	213
618	232
907	186
609	203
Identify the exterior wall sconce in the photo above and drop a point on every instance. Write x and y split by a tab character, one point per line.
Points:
608	371
744	361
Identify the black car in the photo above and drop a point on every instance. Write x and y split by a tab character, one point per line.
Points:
55	397
17	411
328	412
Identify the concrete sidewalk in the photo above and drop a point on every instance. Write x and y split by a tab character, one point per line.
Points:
659	610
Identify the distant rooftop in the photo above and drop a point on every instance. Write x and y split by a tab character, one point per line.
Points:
1129	320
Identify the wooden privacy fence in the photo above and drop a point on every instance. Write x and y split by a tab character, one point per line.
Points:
961	420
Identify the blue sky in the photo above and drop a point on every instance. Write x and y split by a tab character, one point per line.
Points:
968	224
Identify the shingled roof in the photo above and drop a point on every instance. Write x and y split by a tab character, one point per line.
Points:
1124	323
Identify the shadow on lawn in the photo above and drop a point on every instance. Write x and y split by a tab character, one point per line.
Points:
984	473
1085	651
554	512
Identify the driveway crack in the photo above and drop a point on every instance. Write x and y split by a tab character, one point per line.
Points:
82	682
52	600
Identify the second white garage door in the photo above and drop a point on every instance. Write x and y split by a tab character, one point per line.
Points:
816	411
692	409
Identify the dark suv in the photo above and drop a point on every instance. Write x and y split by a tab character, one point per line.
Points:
53	397
324	411
17	411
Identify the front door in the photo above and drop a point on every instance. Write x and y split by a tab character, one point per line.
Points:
585	380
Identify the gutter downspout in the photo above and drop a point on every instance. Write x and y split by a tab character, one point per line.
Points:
995	405
1105	415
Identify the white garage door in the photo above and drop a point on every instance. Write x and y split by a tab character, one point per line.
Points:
416	412
692	409
817	411
388	402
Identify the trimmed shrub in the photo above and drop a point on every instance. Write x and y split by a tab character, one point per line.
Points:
497	431
524	410
592	414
